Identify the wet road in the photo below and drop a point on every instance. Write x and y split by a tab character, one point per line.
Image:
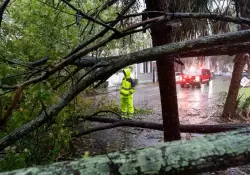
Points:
191	101
195	105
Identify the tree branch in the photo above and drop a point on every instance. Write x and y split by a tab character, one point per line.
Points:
39	62
2	9
230	50
115	65
69	60
103	32
197	155
169	16
201	129
84	15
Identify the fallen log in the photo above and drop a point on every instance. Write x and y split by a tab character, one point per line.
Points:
201	154
201	129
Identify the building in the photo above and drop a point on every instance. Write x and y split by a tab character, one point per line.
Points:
145	73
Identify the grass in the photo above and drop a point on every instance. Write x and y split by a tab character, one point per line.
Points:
243	101
244	91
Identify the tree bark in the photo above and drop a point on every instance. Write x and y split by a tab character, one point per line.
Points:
201	154
230	105
240	61
230	50
161	34
248	68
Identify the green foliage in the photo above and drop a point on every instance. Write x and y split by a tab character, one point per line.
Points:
14	159
34	29
243	100
246	103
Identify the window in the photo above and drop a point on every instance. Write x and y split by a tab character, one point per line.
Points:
205	72
146	67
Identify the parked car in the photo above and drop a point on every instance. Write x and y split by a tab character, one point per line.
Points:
177	76
195	77
219	73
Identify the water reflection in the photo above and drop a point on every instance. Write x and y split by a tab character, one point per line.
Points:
204	98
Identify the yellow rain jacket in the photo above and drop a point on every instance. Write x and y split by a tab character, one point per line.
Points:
126	92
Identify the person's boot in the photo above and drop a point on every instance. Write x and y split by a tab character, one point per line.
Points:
130	116
124	116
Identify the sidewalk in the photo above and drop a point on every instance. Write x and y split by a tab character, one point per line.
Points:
113	89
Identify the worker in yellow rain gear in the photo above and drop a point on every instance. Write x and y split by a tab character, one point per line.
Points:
126	93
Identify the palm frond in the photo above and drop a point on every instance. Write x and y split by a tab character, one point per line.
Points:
192	28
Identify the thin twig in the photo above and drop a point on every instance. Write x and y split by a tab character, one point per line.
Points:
103	32
84	15
21	64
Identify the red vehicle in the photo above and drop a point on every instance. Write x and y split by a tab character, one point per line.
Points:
195	77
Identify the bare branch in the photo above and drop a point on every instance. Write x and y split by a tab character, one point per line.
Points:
66	78
105	6
20	64
103	32
114	123
212	16
2	9
39	62
84	15
230	50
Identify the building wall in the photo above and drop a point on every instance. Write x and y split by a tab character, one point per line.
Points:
116	79
145	72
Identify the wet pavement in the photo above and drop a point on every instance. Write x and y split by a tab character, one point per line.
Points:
196	106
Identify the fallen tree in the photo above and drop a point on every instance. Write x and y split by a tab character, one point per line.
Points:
227	49
179	157
107	66
201	129
101	72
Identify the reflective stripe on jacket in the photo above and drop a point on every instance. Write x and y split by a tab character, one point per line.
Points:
127	86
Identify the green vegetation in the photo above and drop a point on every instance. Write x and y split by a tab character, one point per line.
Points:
32	30
243	101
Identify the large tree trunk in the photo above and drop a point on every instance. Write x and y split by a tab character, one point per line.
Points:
248	68
201	154
240	61
161	34
230	105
